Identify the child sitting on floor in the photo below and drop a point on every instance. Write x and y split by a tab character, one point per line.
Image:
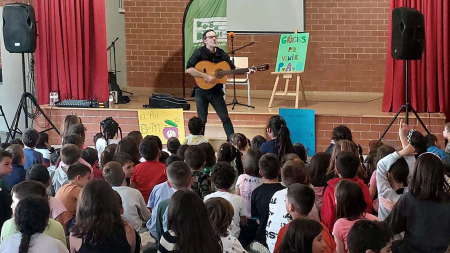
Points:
135	209
151	172
223	175
351	207
347	164
31	218
269	168
370	236
26	190
292	172
79	175
172	145
30	138
196	128
90	155
18	160
43	146
221	214
58	211
299	203
195	159
127	165
70	154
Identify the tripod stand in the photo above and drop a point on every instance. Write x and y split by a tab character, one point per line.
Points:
2	114
235	101
113	73
23	105
407	106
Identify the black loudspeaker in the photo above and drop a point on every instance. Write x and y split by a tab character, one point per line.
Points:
408	34
19	28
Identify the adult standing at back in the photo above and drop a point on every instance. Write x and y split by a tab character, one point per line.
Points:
214	96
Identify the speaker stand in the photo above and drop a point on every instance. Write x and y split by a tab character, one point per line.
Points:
407	106
2	114
23	106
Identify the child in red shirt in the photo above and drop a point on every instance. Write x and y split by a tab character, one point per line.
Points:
347	164
151	172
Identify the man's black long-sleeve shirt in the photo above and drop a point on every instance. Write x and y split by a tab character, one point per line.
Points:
203	54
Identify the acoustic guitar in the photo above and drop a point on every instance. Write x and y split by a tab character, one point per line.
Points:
220	71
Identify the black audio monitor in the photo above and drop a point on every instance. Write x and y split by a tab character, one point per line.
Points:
19	28
408	34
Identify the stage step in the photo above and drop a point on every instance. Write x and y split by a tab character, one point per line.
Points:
217	142
217	136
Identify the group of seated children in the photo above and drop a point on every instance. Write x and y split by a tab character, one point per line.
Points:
253	196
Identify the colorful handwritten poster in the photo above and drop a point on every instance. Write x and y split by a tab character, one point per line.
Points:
164	123
302	126
292	52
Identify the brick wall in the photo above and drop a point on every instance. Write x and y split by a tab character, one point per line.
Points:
91	120
364	128
348	44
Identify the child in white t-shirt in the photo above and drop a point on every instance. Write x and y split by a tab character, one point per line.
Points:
43	146
223	175
293	171
135	208
101	144
247	182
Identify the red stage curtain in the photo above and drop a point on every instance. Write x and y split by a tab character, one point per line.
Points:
429	77
71	55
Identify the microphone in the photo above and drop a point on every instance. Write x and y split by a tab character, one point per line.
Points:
231	34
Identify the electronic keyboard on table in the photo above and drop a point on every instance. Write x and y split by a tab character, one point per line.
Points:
75	103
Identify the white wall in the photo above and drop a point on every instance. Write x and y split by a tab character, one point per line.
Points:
115	27
12	87
266	16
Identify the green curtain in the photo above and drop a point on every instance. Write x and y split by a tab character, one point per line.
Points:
201	16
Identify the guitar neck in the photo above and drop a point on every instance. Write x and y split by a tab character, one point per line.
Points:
234	71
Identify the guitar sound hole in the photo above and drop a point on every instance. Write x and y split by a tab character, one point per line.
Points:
204	70
219	73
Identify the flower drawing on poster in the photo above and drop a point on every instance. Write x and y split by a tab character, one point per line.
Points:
164	123
171	130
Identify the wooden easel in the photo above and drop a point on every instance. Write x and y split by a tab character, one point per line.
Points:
288	75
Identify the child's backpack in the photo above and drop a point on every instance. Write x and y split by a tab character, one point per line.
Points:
110	128
201	184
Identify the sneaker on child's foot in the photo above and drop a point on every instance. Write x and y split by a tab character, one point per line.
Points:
257	247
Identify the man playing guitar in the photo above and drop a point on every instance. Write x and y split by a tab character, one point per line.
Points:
214	96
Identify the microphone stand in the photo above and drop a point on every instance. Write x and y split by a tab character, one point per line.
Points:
113	46
232	52
249	44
